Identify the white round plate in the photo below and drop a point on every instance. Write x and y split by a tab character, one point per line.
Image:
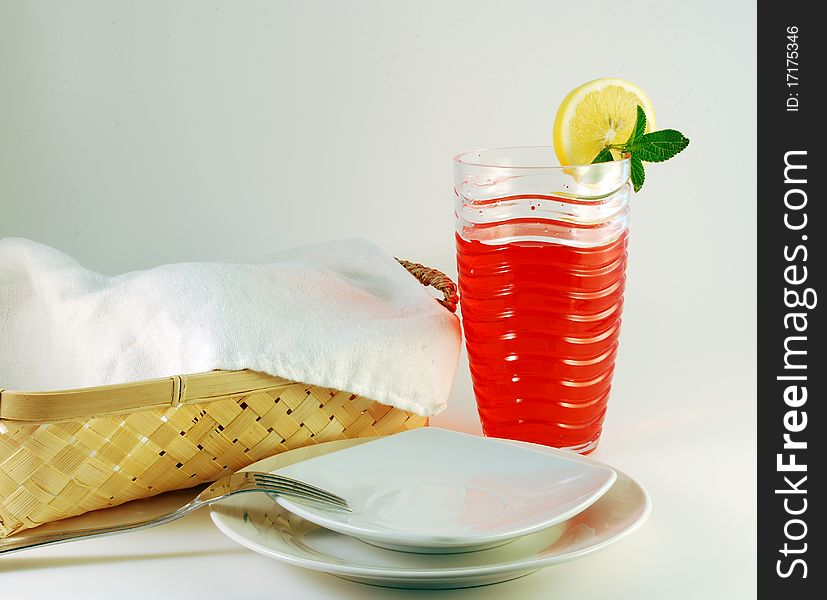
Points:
438	491
256	522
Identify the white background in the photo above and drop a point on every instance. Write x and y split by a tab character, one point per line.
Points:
133	134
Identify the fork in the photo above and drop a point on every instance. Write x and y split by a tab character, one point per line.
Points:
238	483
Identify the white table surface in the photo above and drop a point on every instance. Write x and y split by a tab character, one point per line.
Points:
698	543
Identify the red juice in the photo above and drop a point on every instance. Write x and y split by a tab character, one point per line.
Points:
541	322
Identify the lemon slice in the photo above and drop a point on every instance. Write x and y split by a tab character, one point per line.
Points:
595	114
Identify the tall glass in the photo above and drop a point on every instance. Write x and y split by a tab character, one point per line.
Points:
541	255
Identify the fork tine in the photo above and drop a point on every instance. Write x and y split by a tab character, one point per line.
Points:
322	503
313	500
287	491
301	491
299	488
295	483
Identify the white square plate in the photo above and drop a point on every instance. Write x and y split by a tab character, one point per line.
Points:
435	491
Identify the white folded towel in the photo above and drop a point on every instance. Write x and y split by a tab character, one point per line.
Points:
341	315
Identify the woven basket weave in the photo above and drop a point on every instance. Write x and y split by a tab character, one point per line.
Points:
66	453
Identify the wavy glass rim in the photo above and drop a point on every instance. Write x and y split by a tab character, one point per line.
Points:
479	161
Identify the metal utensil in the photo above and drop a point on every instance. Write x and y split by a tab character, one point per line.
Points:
237	483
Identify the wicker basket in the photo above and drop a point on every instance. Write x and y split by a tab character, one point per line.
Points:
69	452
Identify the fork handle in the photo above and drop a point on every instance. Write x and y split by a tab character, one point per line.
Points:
9	545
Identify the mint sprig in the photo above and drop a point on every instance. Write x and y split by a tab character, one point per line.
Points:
605	155
638	173
656	146
640	125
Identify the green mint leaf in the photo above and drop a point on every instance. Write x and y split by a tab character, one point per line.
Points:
658	146
604	155
640	126
638	174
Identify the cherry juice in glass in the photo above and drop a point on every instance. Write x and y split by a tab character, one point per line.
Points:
541	255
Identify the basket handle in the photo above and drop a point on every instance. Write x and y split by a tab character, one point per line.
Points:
437	279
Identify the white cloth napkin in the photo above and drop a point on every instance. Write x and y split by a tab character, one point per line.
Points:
340	314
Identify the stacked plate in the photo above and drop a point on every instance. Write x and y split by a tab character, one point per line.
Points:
432	508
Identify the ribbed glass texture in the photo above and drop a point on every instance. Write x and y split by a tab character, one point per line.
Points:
541	254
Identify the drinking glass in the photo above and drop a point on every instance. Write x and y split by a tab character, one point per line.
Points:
541	255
